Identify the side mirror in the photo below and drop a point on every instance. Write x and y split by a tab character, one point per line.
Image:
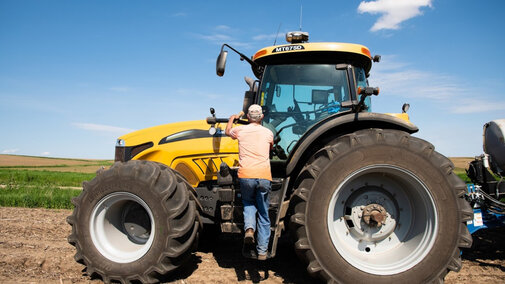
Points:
368	91
405	108
221	63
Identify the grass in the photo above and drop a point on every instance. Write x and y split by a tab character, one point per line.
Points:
37	197
42	178
462	175
57	166
22	187
30	186
35	183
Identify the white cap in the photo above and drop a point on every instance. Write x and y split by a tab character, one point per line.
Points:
255	112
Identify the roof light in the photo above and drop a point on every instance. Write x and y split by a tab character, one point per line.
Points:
259	53
297	37
366	51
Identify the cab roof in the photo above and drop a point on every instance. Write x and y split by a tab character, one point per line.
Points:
316	52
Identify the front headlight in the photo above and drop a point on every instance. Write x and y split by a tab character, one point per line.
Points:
120	143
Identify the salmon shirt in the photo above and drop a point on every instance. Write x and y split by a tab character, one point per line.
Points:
254	143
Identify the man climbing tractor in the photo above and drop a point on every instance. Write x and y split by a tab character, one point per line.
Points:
254	145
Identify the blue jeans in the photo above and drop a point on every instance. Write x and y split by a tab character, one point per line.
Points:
255	199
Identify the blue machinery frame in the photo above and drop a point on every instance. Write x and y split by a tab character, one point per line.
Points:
482	218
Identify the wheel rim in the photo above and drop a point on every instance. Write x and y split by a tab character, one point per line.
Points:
382	219
120	227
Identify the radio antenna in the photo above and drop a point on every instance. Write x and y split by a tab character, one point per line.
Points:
301	15
278	29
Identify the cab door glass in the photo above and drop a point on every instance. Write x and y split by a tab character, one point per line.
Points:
297	96
361	81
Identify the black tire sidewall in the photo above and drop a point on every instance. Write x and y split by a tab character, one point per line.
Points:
345	164
141	189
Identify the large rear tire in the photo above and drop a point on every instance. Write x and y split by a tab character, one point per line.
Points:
134	222
380	206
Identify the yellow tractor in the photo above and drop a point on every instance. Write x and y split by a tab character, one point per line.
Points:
363	199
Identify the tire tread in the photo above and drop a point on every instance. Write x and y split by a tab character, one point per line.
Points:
183	221
340	146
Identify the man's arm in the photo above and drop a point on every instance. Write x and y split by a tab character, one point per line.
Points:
230	125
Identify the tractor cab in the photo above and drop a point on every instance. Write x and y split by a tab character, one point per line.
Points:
297	96
300	84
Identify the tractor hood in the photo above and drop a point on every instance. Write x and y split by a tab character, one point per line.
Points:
165	143
165	133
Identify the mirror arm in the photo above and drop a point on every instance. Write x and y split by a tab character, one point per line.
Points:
242	56
365	92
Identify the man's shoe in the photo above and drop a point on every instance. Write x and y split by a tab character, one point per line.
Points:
249	236
262	256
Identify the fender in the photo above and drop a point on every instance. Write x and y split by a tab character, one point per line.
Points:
339	125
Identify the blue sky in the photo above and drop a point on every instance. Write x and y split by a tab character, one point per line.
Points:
75	75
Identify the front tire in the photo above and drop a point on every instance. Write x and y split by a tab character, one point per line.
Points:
382	206
134	222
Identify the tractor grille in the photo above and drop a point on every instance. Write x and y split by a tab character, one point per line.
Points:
120	154
124	154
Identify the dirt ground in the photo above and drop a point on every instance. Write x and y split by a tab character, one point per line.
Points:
461	162
49	164
34	249
15	160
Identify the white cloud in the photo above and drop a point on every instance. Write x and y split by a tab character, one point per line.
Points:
10	151
393	12
215	37
220	38
45	153
224	34
417	84
103	128
475	106
194	93
265	37
223	28
397	79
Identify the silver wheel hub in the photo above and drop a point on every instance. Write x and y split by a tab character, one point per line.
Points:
120	227
382	219
373	214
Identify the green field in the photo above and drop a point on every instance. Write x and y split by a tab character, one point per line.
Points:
47	189
42	178
43	182
462	175
52	183
37	197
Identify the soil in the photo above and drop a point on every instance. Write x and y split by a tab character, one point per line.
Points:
34	249
461	162
49	164
15	160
